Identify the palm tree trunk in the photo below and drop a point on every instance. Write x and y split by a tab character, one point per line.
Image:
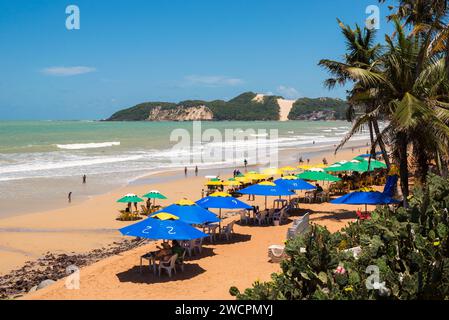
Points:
447	57
441	165
371	134
403	166
381	144
423	164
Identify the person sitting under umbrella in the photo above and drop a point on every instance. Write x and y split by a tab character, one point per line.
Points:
165	252
318	189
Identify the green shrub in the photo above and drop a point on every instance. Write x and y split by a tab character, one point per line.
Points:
408	246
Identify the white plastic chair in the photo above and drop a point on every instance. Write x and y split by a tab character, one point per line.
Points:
189	247
261	217
227	231
244	218
180	262
169	265
197	244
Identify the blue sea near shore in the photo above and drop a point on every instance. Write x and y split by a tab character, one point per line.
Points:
43	160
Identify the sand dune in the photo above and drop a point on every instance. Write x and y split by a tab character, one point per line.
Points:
285	107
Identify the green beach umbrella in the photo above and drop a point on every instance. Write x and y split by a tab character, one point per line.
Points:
362	166
335	168
130	197
154	194
317	176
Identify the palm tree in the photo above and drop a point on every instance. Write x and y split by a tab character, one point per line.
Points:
410	100
361	53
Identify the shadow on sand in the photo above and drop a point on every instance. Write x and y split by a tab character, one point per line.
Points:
147	276
235	238
205	252
339	215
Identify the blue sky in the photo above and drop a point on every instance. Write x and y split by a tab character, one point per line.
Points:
127	52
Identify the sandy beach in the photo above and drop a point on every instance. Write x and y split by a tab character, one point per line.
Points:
91	224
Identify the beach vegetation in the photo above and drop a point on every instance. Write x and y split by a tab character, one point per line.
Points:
404	82
403	255
128	216
303	108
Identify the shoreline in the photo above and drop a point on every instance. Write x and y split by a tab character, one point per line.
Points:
287	156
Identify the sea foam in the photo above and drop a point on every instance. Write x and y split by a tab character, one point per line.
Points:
92	145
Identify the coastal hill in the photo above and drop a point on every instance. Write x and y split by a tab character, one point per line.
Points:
247	106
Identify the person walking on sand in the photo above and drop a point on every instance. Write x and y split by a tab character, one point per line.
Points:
70	196
196	170
185	171
245	162
308	161
84	179
325	161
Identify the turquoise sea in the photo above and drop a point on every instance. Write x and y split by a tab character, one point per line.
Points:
45	159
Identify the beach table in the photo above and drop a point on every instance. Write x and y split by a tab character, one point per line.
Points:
151	257
211	230
279	203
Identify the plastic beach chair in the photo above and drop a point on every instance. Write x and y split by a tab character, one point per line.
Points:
169	265
227	231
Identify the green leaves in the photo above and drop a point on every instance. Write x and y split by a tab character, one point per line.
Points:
410	255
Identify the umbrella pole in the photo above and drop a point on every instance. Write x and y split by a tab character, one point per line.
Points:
265	202
219	222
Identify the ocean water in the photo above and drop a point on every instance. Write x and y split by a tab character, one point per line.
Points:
41	160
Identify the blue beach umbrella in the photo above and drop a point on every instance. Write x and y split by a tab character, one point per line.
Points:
156	229
189	212
222	200
267	189
294	184
366	198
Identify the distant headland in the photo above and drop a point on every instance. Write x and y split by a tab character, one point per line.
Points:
247	106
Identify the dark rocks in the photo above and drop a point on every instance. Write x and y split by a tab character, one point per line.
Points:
44	271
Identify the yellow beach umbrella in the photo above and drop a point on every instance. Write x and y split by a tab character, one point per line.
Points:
272	171
267	183
220	194
165	216
214	183
243	179
232	183
256	176
290	178
311	166
288	169
185	202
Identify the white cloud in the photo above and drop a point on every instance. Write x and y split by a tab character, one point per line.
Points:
67	71
288	92
212	81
